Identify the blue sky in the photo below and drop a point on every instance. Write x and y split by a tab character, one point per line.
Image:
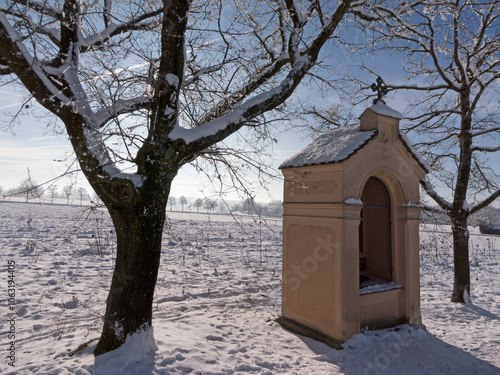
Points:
34	145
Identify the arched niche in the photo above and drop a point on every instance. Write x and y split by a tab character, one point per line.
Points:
375	235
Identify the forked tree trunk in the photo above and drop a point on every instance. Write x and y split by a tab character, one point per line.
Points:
130	300
460	260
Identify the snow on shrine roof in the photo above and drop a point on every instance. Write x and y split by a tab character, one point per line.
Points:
414	152
384	110
331	147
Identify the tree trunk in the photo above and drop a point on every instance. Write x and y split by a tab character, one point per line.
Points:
129	304
460	213
461	260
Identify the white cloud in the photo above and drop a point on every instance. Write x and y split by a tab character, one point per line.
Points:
16	156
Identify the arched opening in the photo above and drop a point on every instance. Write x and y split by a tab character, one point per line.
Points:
375	245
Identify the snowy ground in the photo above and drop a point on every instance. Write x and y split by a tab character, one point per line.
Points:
217	297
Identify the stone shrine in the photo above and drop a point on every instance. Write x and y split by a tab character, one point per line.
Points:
351	230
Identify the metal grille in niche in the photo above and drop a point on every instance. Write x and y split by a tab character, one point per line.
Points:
375	258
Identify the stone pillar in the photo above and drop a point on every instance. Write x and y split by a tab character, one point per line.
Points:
409	261
349	279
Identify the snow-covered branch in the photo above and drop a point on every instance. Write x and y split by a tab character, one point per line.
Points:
433	210
373	11
486	202
42	7
120	107
429	189
4	69
228	103
295	13
70	27
30	70
196	74
58	88
221	126
486	131
145	21
486	148
420	88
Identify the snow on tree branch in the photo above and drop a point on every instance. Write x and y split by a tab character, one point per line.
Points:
295	13
120	107
419	88
192	77
301	60
227	104
429	189
58	88
41	7
486	202
486	148
144	21
481	132
20	60
5	69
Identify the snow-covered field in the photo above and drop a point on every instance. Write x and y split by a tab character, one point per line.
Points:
217	296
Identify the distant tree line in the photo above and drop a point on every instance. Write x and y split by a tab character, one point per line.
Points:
208	205
29	189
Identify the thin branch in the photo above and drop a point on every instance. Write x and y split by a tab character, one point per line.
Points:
97	40
42	8
486	202
443	203
120	107
210	133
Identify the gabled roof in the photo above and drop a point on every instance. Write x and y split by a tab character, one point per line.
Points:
381	108
332	146
416	155
341	143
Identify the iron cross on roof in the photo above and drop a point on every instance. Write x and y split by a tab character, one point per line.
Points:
381	90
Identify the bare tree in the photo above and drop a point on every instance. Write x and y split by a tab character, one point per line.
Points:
29	188
222	207
81	192
198	203
209	204
326	118
182	201
249	206
275	207
453	63
171	201
68	192
53	192
165	82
